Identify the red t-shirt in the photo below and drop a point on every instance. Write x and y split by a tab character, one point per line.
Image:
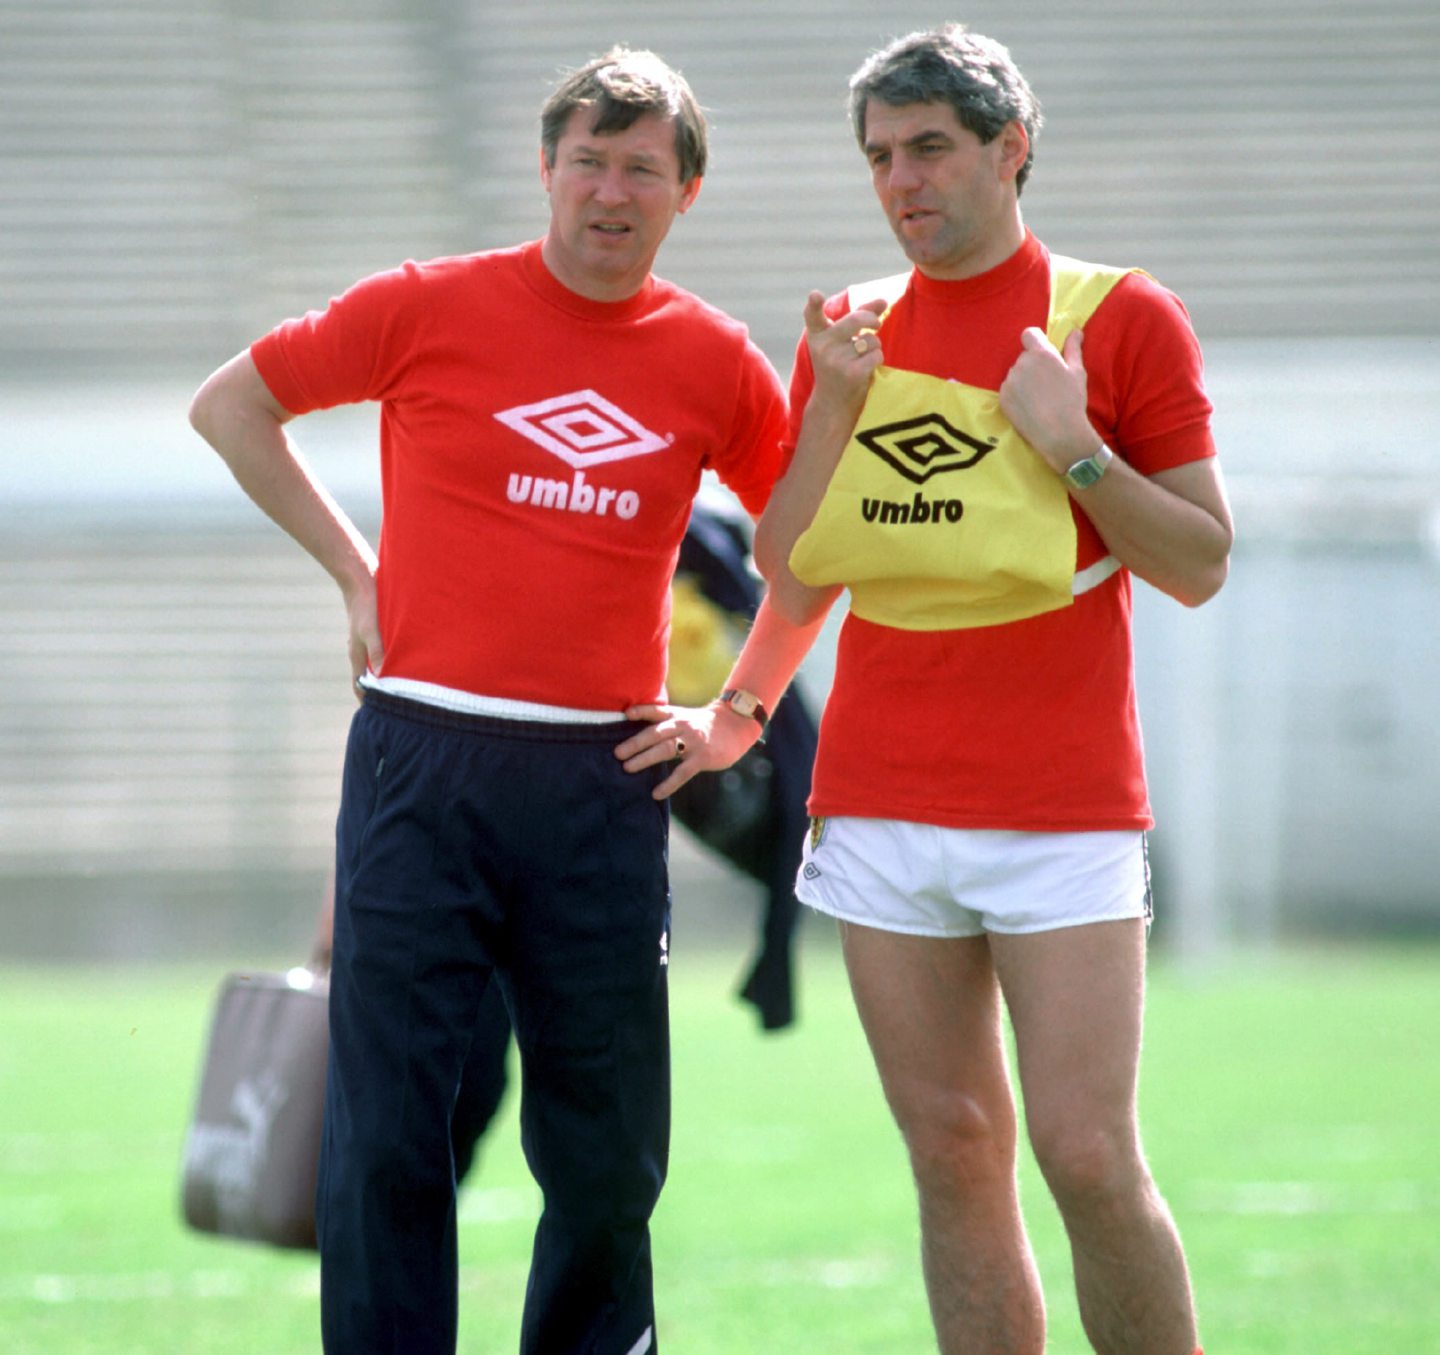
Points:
1030	725
539	455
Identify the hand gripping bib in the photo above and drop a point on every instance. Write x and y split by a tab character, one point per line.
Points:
939	515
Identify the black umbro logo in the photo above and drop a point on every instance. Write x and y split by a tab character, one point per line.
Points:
921	447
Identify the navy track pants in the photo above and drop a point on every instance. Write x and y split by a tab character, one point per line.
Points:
472	848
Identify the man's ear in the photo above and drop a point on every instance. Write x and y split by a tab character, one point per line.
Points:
1014	144
544	170
689	194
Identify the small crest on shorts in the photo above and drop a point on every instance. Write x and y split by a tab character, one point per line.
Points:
817	833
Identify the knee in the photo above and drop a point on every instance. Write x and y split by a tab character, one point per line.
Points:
375	1143
958	1143
381	1161
1086	1165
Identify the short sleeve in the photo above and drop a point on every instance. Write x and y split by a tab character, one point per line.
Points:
1147	387
353	350
749	464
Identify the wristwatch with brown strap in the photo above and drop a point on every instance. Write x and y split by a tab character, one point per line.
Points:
746	705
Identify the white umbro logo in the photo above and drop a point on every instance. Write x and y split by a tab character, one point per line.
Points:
583	429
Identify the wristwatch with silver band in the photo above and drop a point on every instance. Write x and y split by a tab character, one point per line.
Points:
1090	469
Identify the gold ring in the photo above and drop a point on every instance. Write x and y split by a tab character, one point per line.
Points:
860	344
679	749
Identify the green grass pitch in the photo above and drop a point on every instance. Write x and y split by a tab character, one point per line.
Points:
1289	1108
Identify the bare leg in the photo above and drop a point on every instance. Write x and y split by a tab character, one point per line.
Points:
1076	998
931	1011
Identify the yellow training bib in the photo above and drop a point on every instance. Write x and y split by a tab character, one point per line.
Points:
939	515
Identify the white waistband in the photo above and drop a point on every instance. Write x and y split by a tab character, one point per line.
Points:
471	703
1094	575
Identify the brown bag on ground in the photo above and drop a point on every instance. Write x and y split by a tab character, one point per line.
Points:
252	1152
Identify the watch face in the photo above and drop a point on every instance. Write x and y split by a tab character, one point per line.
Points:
1085	473
742	703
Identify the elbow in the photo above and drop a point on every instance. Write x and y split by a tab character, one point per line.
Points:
199	412
1210	571
767	557
233	397
1200	591
208	408
1206	582
798	603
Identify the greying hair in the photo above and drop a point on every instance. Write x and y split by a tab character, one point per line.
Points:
622	87
975	75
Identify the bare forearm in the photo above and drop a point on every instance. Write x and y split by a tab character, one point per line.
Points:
288	492
773	652
1173	530
823	434
236	415
709	738
796	497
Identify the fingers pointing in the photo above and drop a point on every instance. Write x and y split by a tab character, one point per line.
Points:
815	320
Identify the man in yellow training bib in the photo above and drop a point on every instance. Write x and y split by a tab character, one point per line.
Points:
984	450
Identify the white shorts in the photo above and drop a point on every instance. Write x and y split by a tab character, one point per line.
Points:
929	881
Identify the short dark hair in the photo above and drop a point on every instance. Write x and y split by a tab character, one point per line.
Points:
622	86
975	75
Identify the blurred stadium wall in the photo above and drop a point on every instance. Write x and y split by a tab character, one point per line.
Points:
180	174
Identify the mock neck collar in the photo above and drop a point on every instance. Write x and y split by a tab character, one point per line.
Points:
1030	255
551	289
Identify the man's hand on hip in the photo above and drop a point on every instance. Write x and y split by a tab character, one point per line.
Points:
693	738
